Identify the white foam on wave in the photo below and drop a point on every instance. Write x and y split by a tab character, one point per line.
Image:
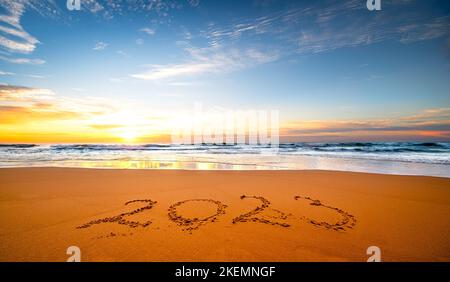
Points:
396	158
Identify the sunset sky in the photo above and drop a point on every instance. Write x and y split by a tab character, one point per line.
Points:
121	71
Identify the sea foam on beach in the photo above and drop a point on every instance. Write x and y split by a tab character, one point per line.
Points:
411	158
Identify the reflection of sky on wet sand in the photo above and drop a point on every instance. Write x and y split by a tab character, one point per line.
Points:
120	164
252	162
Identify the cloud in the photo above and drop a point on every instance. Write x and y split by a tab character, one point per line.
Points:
170	71
19	104
148	31
108	9
36	76
21	115
92	6
30	114
194	3
40	115
100	46
428	115
6	73
15	46
23	61
105	126
302	29
89	110
434	28
207	61
261	57
13	37
22	93
326	26
183	84
432	123
116	80
34	98
123	53
359	33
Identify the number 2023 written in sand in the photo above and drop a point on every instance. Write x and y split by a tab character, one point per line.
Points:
276	217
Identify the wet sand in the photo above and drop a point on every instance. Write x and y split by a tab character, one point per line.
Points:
176	215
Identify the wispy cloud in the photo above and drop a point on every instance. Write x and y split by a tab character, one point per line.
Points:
6	73
148	31
40	115
208	61
170	71
105	126
13	37
21	96
26	75
429	123
260	57
110	8
100	46
431	29
330	25
123	53
35	103
13	91
116	80
36	76
194	3
23	61
302	30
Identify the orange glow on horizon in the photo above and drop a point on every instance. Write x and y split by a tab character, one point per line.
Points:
56	121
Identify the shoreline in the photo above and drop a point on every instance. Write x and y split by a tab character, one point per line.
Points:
218	170
310	215
398	158
212	170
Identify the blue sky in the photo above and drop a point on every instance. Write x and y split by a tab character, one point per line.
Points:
332	66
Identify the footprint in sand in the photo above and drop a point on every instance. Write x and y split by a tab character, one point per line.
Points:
190	224
348	221
119	219
251	216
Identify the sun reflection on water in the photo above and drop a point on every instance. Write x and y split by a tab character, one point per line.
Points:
184	165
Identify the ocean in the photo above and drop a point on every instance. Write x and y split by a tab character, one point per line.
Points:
406	158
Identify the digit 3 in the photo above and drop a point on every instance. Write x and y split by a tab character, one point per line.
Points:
251	215
347	221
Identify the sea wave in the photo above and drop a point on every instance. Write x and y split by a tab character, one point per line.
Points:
17	145
419	152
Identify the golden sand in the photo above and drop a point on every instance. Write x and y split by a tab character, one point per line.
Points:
170	215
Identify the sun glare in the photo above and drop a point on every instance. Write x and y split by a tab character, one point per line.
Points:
128	136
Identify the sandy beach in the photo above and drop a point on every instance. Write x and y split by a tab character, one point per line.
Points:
176	215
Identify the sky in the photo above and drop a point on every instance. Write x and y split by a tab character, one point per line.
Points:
123	71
